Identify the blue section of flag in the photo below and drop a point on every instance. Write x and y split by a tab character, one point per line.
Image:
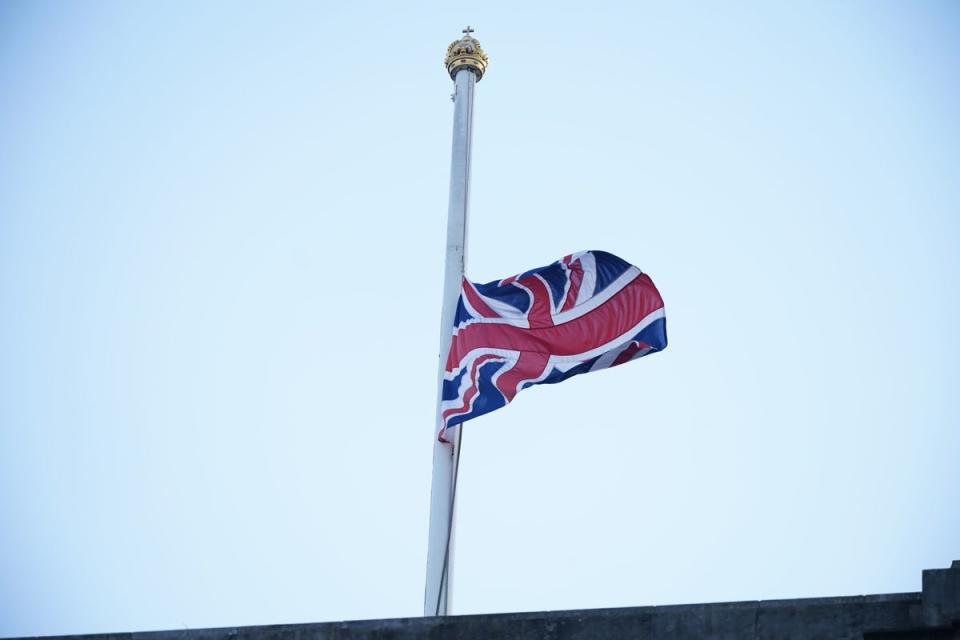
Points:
559	376
609	268
509	294
488	398
450	387
462	314
654	335
556	278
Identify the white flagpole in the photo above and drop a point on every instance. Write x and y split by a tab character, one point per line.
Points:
466	63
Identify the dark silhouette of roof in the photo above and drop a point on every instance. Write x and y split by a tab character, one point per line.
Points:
932	614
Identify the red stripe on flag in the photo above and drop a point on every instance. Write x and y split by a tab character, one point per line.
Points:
628	353
528	367
539	314
611	320
473	297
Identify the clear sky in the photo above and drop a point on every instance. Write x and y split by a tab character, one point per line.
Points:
221	247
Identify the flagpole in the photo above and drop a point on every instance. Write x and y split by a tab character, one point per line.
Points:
466	63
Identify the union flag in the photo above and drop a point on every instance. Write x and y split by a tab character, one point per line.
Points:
587	311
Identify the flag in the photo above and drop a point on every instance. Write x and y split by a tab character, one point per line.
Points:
585	312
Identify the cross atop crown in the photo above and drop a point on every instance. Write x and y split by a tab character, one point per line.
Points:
468	30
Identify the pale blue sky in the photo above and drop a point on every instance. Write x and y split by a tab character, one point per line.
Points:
221	242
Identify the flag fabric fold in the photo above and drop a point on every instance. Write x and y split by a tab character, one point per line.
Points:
587	311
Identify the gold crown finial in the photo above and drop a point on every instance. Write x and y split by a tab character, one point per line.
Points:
466	53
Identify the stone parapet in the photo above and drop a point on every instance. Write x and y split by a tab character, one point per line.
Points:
933	614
